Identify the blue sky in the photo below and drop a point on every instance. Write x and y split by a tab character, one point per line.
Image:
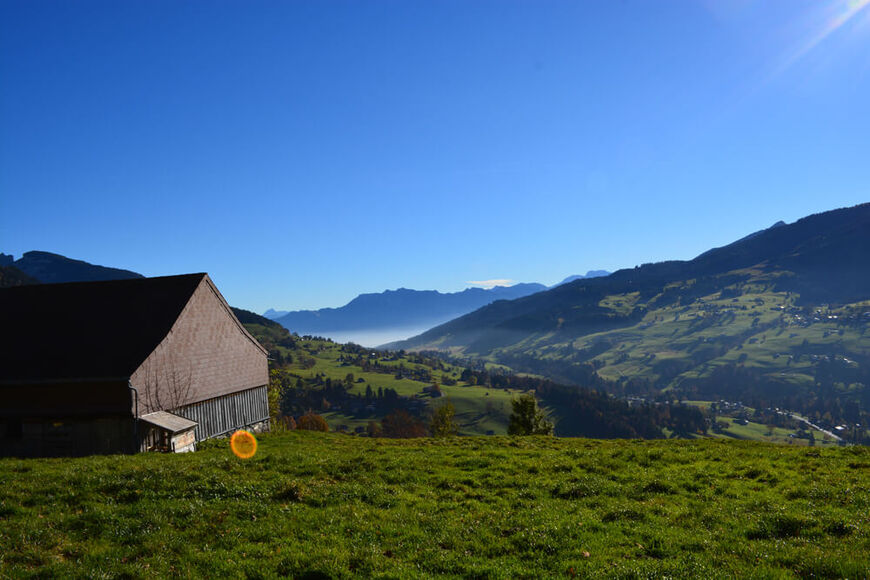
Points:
305	152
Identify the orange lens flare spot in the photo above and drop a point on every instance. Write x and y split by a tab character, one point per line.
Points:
243	444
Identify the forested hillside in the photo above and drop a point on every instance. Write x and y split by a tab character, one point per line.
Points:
777	319
50	268
12	276
356	389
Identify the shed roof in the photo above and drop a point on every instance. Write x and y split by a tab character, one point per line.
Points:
93	330
169	422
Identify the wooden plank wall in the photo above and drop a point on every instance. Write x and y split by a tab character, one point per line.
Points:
223	415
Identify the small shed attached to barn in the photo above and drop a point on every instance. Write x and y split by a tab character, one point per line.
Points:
125	365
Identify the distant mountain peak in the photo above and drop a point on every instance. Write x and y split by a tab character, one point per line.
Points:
401	308
272	314
52	268
586	276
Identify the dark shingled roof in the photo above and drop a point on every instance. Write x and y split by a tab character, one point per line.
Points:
87	330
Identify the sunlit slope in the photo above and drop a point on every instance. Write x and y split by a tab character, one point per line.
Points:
778	302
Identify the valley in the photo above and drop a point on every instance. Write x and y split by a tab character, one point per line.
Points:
777	319
346	385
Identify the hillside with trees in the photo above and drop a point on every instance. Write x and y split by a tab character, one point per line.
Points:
776	319
50	268
399	394
12	276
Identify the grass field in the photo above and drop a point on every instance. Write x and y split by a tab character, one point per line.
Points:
479	410
312	505
761	329
754	431
757	432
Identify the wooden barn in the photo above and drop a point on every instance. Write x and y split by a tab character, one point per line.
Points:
125	366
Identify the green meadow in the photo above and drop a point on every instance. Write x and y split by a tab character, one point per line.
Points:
479	410
312	505
684	337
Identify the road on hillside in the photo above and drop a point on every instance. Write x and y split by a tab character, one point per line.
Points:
836	438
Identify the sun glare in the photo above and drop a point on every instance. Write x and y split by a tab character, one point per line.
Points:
243	444
845	10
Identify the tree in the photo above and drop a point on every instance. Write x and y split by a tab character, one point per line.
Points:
374	429
311	421
527	418
167	381
443	423
279	383
400	424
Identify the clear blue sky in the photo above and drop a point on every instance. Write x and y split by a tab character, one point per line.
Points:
303	152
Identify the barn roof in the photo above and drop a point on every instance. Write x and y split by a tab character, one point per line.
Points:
87	330
169	422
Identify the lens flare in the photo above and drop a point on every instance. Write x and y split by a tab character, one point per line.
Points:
846	11
243	444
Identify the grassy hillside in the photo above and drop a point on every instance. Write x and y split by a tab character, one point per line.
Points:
333	506
673	343
306	363
479	410
313	374
779	318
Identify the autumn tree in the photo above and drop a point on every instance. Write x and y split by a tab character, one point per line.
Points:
311	421
373	429
400	424
167	381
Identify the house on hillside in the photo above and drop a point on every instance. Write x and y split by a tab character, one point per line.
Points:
125	366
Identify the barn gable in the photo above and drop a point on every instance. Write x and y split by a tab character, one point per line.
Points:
208	368
84	361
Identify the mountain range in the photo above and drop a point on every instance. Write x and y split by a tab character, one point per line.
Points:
273	314
372	318
369	318
53	268
777	317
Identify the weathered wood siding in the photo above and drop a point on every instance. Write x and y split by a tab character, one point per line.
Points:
207	354
223	415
